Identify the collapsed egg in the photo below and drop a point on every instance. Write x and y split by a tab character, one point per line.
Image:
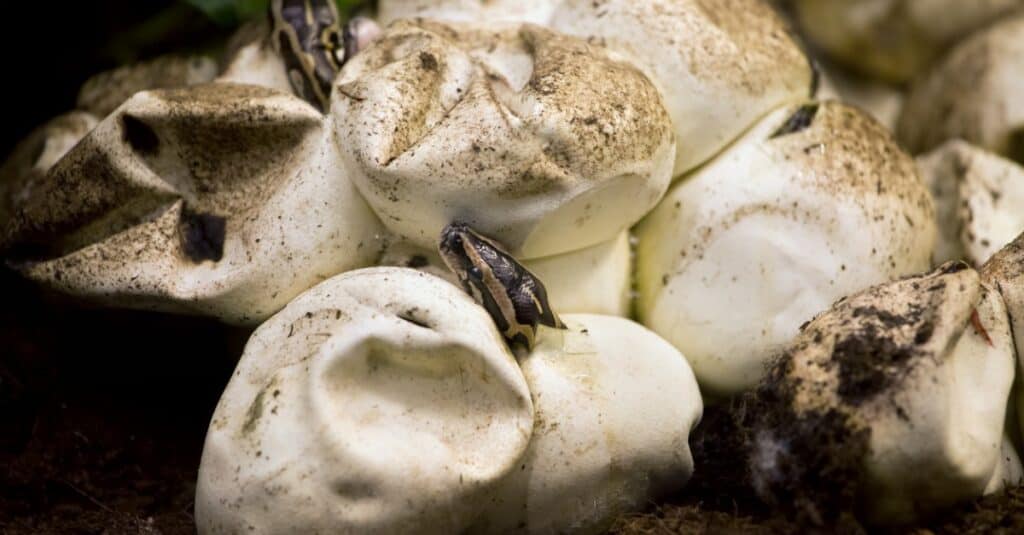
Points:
384	400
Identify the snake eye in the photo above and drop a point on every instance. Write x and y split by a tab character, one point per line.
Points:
475	272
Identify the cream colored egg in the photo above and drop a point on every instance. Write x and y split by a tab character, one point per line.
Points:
223	200
972	94
894	39
813	203
385	401
909	383
1005	272
381	401
979	201
614	406
720	64
537	140
510	11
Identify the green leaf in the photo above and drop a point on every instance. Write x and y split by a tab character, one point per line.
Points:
346	7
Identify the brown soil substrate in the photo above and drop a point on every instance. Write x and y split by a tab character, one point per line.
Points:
102	414
1001	514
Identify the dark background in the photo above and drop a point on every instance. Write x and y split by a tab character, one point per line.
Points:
50	48
102	413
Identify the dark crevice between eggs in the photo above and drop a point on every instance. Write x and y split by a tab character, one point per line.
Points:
1015	146
800	120
767	469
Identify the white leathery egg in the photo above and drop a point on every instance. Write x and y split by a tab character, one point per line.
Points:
532	11
595	280
614	406
220	199
1005	271
900	392
1009	472
814	202
979	201
972	94
404	254
257	63
29	162
893	39
33	157
104	92
958	423
381	401
532	138
720	65
384	400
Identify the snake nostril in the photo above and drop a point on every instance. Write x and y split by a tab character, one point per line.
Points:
802	118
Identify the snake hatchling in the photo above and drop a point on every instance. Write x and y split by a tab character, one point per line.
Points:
309	37
514	297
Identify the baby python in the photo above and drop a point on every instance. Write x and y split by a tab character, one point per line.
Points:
309	37
514	297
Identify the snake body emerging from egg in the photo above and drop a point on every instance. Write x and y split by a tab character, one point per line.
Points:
513	296
314	44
